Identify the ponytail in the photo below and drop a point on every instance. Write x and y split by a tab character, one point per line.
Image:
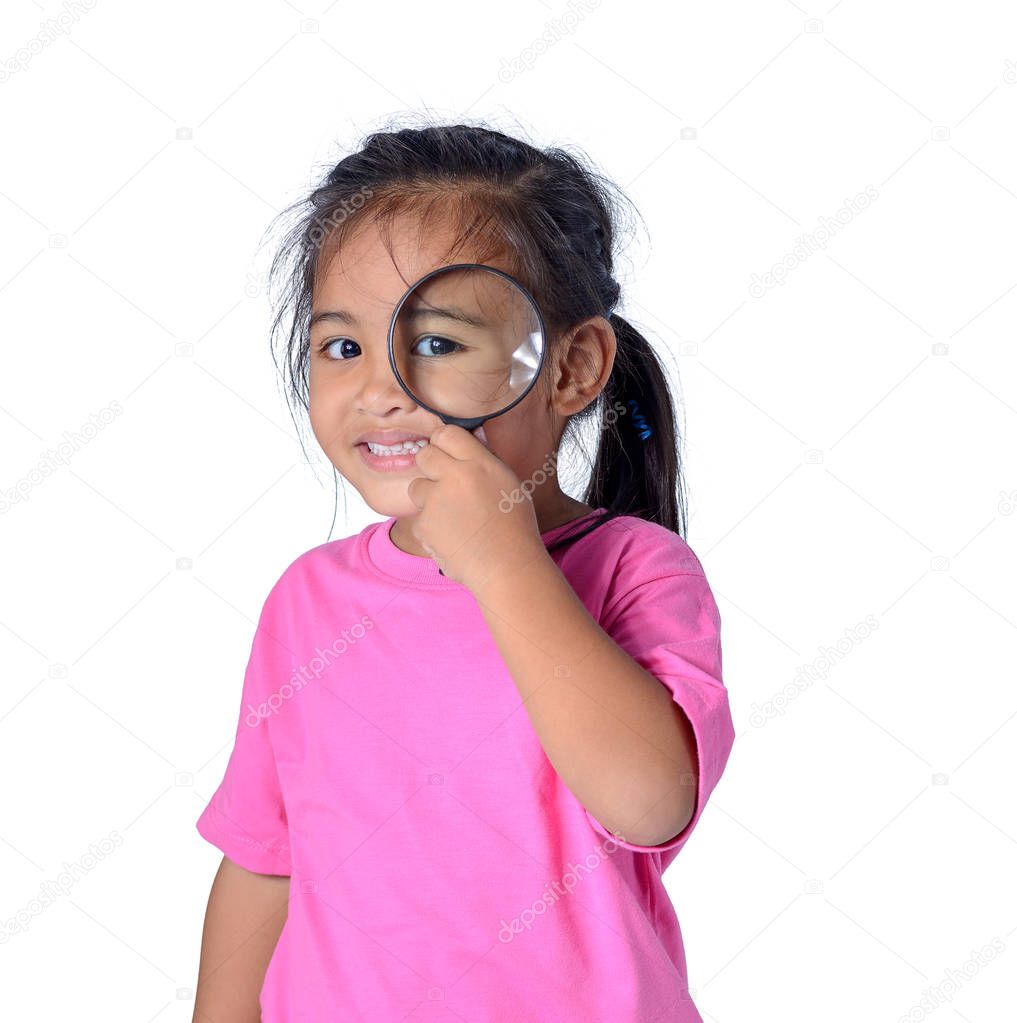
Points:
637	469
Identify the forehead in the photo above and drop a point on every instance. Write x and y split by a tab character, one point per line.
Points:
372	271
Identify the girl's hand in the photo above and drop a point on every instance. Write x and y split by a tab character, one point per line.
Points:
474	518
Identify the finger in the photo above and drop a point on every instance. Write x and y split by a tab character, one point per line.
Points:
456	441
419	490
432	460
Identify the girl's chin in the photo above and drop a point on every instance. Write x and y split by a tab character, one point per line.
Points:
389	500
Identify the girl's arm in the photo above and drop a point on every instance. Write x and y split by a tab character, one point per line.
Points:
612	731
243	921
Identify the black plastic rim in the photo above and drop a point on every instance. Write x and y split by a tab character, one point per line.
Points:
474	422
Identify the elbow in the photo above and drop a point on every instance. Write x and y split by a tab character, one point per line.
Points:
676	811
669	819
664	830
673	812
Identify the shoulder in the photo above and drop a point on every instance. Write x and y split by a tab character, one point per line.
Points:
317	572
640	550
627	562
644	569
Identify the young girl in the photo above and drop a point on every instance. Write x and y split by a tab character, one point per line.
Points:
474	735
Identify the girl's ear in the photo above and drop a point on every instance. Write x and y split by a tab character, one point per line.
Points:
583	364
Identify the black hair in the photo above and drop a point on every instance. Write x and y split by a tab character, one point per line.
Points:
555	220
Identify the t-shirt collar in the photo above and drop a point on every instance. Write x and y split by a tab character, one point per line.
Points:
416	569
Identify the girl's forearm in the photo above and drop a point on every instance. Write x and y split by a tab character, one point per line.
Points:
245	915
611	730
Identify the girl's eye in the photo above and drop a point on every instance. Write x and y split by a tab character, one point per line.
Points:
338	348
434	344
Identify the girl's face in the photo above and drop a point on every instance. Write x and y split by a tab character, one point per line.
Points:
354	392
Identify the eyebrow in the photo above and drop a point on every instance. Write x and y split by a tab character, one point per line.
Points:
412	313
449	313
334	314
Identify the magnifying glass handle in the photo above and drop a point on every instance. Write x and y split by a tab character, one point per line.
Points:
482	437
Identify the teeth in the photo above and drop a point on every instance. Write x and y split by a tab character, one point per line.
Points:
397	449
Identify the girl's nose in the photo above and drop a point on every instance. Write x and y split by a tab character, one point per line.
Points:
379	390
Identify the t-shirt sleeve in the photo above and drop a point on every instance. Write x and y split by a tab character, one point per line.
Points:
666	619
246	816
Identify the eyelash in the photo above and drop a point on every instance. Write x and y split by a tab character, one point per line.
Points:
325	345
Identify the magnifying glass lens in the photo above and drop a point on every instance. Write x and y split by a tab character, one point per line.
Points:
467	342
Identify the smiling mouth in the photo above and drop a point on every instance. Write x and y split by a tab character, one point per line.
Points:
390	450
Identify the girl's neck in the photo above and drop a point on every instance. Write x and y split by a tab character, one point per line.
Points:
562	513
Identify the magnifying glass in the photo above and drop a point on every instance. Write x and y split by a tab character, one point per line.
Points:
467	342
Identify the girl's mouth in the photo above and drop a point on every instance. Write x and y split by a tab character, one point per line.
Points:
390	458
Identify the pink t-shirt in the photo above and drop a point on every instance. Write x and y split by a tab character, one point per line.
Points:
440	869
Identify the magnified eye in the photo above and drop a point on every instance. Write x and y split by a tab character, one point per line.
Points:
338	348
430	345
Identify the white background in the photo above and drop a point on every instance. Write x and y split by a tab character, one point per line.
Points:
850	440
